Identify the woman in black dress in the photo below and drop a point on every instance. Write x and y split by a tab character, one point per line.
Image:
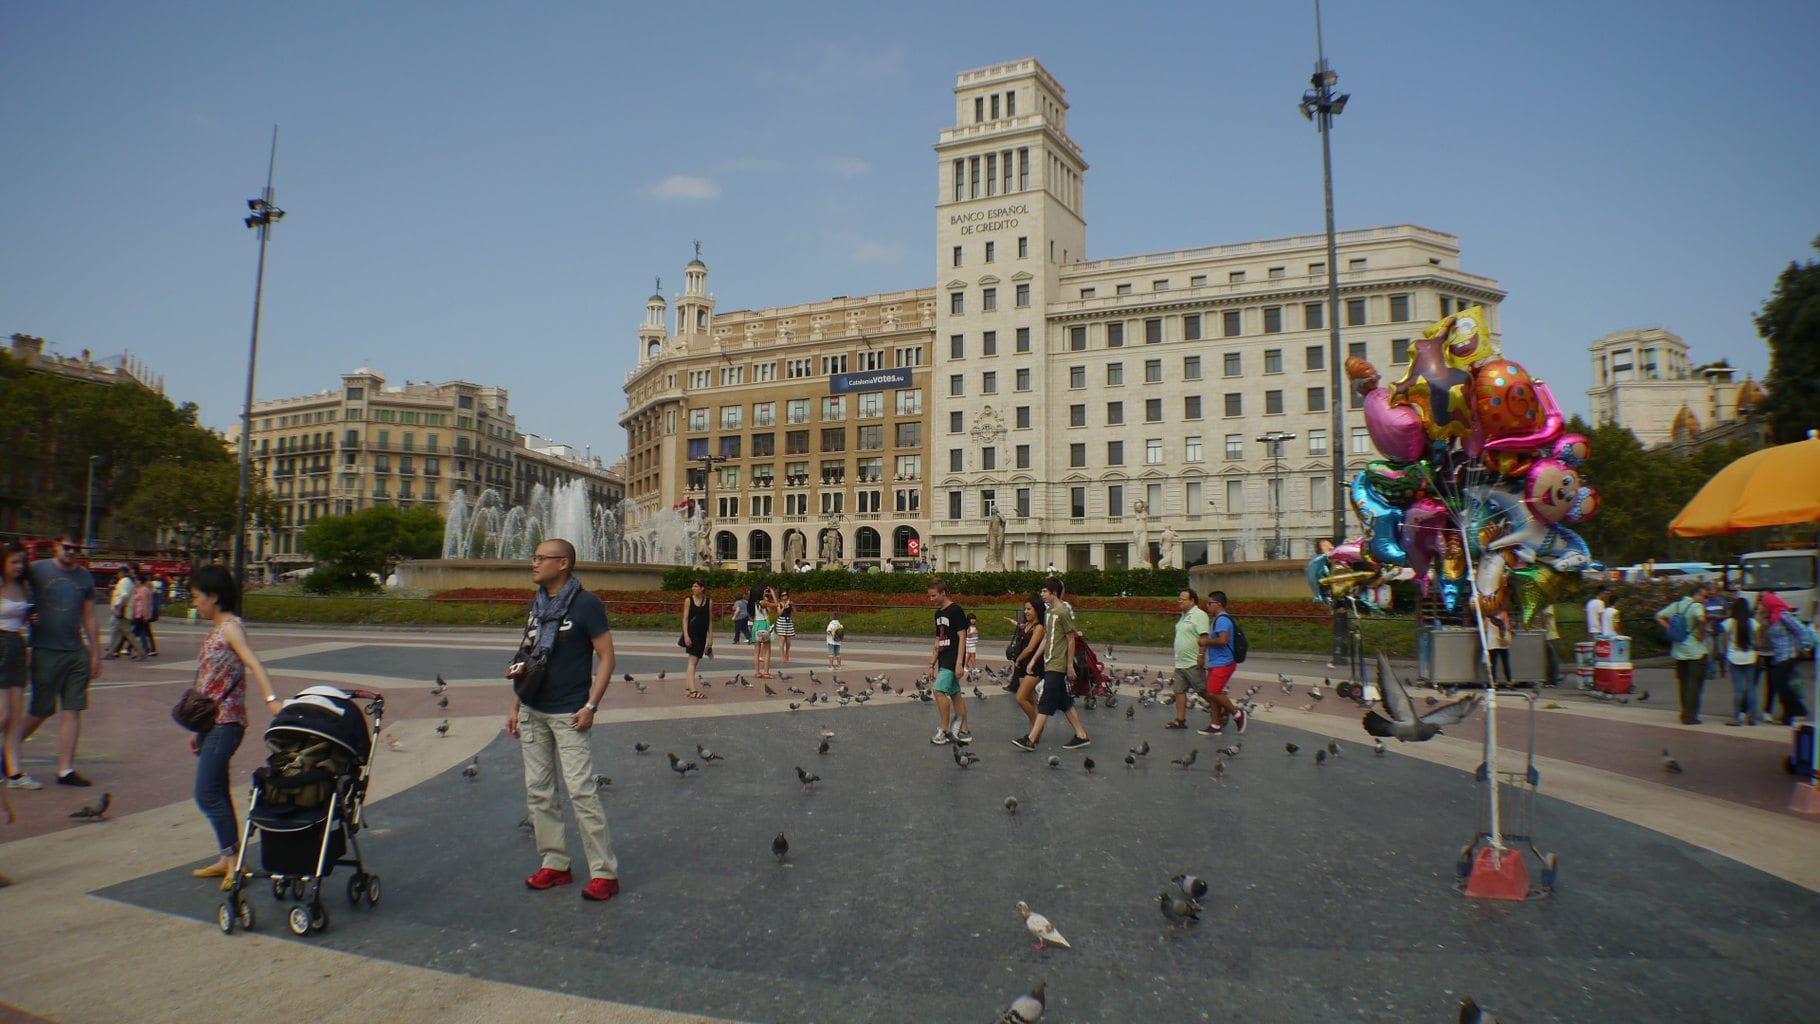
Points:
697	632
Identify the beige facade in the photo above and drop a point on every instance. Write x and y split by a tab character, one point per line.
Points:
1643	380
366	443
807	420
1063	391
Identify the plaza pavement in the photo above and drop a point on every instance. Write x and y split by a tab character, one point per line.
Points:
1333	900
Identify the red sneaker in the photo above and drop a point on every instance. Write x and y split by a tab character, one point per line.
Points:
600	889
549	878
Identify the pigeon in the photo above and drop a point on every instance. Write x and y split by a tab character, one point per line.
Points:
440	686
1219	771
601	782
1320	758
1643	697
661	673
823	749
1403	722
1333	748
641	688
641	747
1315	692
769	692
1087	763
1039	926
1194	888
442	702
1054	762
1188	759
96	811
682	768
780	847
979	695
1177	910
472	771
1131	760
1011	805
799	691
808	779
1232	751
794	706
1142	749
1377	747
707	755
1025	1009
1130	712
825	732
1290	749
392	741
1471	1014
443	729
964	757
1669	764
1288	683
628	677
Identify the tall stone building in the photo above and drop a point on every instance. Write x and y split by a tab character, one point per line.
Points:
1644	380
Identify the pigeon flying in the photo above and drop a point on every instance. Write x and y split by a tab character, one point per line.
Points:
1404	723
1039	926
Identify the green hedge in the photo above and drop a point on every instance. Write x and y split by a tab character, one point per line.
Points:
1099	583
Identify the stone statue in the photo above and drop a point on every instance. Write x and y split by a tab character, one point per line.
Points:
793	550
831	550
704	544
1170	537
1140	532
995	543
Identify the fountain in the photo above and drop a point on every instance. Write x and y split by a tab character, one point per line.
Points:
486	528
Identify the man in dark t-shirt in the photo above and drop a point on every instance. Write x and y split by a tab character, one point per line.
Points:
950	634
66	652
552	726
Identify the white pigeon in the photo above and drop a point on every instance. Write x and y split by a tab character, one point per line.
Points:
1041	928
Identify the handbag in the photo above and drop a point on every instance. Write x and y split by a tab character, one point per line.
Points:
1015	647
195	712
527	671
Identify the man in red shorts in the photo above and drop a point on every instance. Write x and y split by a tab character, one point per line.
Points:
1220	666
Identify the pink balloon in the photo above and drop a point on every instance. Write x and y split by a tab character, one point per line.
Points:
1396	429
1347	554
1425	526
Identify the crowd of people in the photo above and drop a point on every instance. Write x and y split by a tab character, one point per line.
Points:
1712	632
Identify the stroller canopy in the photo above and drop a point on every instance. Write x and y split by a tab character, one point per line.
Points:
327	713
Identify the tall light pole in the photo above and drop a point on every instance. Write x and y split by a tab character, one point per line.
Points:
88	507
264	215
1275	439
708	462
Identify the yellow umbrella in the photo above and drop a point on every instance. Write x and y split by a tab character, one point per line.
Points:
1777	486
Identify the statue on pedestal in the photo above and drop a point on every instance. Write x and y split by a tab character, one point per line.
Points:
793	550
1140	533
704	544
1170	537
995	543
831	550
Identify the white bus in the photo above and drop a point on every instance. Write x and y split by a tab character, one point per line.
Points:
1791	574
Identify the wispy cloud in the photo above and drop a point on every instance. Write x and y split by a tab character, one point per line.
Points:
755	165
877	252
684	187
845	166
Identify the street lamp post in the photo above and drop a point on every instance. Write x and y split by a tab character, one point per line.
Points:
1275	439
708	462
264	214
88	507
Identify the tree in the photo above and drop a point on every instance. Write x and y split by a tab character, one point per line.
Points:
194	499
1790	322
372	539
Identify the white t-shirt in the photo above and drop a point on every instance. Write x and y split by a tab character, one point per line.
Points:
1595	617
833	624
1608	622
1747	656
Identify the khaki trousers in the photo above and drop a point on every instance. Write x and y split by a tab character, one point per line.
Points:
551	746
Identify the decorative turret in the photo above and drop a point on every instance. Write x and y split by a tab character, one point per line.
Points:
657	324
695	307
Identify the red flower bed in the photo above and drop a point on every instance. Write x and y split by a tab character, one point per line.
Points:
639	602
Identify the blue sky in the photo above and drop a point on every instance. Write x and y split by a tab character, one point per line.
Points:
485	191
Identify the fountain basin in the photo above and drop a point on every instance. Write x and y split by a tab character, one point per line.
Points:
439	574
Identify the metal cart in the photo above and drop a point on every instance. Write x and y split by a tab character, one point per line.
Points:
1520	839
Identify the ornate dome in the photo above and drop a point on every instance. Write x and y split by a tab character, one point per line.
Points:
1750	395
1686	425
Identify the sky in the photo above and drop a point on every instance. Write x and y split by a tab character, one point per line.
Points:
486	191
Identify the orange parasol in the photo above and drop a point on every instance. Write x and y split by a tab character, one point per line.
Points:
1777	486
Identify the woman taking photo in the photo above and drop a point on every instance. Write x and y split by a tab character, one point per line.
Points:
764	606
785	627
222	666
15	604
697	632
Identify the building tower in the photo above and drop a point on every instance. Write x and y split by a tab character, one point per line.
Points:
1009	217
656	326
695	308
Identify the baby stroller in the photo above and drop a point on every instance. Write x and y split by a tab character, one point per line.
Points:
1092	679
308	805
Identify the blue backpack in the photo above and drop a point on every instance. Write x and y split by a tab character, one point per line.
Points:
1677	624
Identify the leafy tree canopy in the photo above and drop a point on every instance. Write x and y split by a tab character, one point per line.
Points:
1790	322
372	539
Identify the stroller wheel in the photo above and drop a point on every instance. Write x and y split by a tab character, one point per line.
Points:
356	889
245	915
299	920
319	915
224	917
372	888
297	888
278	888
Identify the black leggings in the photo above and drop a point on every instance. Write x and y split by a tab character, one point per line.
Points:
1500	656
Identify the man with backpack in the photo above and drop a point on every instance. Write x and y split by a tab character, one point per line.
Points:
1684	622
1226	647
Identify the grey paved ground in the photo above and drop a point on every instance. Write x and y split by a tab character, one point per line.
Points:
1335	902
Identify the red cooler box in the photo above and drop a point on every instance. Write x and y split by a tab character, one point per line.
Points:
1612	676
1612	650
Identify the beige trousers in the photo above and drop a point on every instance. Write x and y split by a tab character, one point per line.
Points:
551	746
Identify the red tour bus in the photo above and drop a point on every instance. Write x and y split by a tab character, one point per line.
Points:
105	563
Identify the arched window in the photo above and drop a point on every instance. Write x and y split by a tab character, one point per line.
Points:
866	543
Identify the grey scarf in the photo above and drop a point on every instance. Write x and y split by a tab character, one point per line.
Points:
547	613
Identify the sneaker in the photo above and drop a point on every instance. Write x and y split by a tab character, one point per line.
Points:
600	889
549	878
963	737
1077	743
74	778
1212	730
940	738
23	781
1023	743
1239	719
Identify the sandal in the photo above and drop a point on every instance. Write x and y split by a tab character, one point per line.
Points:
695	695
1176	725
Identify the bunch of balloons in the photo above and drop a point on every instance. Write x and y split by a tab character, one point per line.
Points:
1476	470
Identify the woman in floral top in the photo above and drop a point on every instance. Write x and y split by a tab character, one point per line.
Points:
221	670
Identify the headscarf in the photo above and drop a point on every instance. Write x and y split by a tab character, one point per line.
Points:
547	612
1769	602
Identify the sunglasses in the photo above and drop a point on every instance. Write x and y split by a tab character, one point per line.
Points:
69	547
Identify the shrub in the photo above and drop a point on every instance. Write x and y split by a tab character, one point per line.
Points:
336	579
1110	582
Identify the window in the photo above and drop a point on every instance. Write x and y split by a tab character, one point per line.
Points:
1355	348
1277	273
1023	296
1115	374
1235	498
1399	308
1273	319
1317	399
701	379
1077	339
957	385
1115	413
957	346
796	410
1231	323
1191	327
1355	312
834	439
764	444
1233	364
1317	442
1235	277
1191	407
989	383
832	365
955	424
989	246
909	500
988	299
1191	367
1399	351
1235	404
1317	494
1356	263
732	375
989	343
1153	410
870	501
731	416
1123	289
1023	243
1022	417
988	458
871	405
1022	454
1153	331
911	355
1023	502
1022	381
909	467
1153	371
1314	357
872	361
1273	360
871	439
1115	334
957	303
1088	293
910	403
1235	447
1077	415
698	420
1360	441
698	446
1153	452
1077	377
1115	453
1077	502
833	501
729	447
1023	339
834	472
1191	449
764	414
1273	403
796	442
1317	269
1115	501
956	459
834	407
1077	455
1314	316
